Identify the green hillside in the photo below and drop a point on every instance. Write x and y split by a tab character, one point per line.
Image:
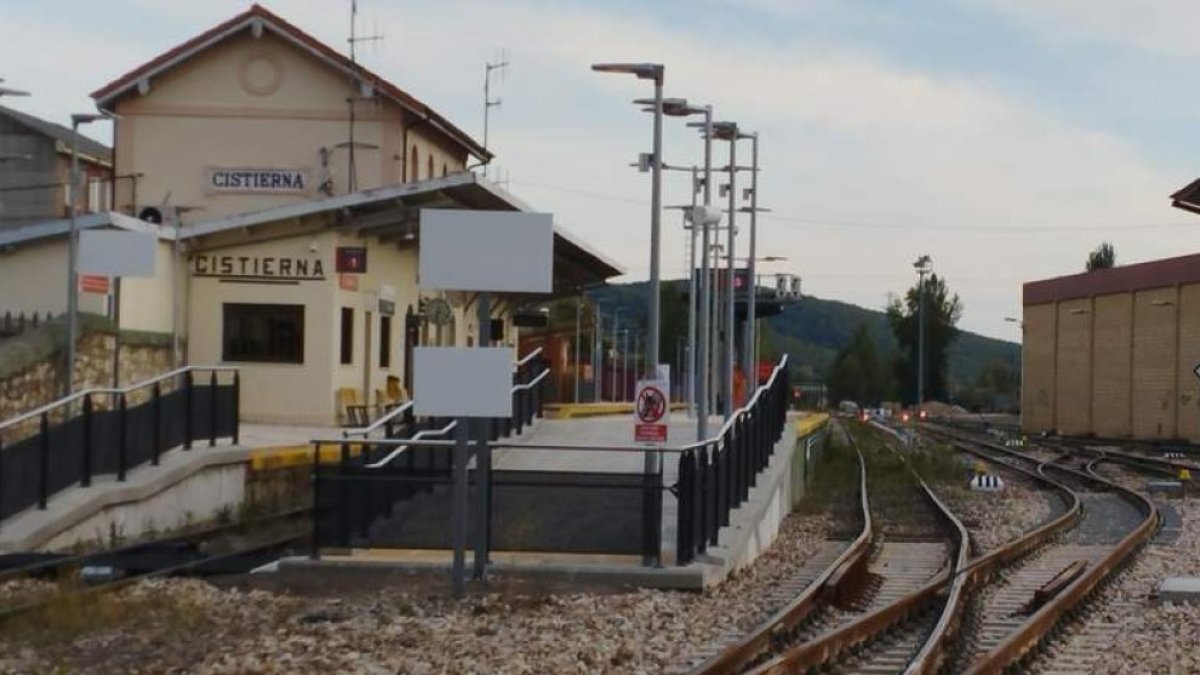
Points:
812	330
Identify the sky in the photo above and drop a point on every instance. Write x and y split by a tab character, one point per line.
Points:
1004	138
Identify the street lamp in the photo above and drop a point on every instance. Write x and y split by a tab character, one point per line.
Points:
73	246
5	91
655	72
728	131
923	266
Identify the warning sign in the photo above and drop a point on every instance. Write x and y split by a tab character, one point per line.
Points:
651	411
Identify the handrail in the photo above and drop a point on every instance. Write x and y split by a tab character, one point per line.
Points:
529	357
387	417
532	383
416	437
740	411
399	410
110	390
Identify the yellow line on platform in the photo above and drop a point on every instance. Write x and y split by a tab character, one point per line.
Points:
566	411
282	457
810	423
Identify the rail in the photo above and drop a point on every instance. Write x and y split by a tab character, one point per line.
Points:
420	435
734	658
818	652
80	395
112	430
1022	641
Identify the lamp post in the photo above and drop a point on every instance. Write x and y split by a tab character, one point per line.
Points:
655	72
73	248
728	131
923	266
749	362
597	355
613	382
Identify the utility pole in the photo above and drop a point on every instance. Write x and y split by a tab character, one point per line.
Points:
923	265
489	103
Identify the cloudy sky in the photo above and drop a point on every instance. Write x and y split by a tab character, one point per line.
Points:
1005	138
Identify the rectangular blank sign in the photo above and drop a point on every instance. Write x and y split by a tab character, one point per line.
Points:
462	382
114	253
504	251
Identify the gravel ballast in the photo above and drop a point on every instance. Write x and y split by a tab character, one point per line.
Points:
192	626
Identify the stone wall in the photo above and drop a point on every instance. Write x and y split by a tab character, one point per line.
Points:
34	376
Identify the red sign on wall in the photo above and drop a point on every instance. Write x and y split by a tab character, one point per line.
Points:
351	260
93	283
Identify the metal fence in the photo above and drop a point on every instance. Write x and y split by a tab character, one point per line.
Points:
715	476
110	431
397	493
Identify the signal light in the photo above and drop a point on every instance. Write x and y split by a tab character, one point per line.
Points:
924	414
904	417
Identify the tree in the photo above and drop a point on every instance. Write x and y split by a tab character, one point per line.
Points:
942	312
1104	257
856	374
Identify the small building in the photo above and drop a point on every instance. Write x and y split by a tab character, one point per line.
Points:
35	170
284	185
1110	353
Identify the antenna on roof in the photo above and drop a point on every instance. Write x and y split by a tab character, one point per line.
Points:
498	65
360	90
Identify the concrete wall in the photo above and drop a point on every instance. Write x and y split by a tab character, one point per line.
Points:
33	278
200	497
1111	392
1037	367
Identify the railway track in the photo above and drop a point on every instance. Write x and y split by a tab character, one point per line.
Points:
881	611
221	549
1031	600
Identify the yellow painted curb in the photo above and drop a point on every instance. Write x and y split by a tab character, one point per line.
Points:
282	457
566	411
810	423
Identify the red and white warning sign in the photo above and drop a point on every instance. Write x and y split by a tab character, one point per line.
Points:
651	411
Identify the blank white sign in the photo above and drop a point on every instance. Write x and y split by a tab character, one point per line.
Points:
505	251
462	382
115	253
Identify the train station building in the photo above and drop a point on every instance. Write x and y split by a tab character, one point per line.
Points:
284	185
1111	353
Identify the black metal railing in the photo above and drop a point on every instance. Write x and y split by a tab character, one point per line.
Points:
368	479
716	475
112	431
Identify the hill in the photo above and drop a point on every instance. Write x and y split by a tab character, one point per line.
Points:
812	330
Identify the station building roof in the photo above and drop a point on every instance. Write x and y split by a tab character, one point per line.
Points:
1188	198
53	229
257	19
1123	279
391	214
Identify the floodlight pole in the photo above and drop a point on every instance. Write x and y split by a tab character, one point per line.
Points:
73	262
748	349
702	361
730	318
655	232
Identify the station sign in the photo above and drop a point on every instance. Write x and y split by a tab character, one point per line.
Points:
651	411
94	283
244	180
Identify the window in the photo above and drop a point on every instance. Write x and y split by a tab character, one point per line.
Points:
347	335
263	333
385	342
414	167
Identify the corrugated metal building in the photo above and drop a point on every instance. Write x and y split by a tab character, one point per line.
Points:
1111	353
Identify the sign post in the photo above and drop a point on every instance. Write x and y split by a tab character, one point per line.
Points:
464	250
651	411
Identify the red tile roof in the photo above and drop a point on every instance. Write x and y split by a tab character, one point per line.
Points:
217	33
1124	279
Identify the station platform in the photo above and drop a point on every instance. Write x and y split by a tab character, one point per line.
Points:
554	445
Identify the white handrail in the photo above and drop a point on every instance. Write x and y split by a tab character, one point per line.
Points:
416	437
391	415
742	410
532	383
109	390
528	357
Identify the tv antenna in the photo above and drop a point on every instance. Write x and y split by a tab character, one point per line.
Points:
359	93
500	66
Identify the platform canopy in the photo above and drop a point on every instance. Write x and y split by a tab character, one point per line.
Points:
391	214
